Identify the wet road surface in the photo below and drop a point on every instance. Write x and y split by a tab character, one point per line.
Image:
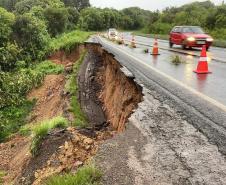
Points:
212	85
214	53
201	99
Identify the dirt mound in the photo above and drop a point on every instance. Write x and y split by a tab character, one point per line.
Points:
61	151
51	99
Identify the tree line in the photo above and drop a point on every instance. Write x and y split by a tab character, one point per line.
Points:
27	25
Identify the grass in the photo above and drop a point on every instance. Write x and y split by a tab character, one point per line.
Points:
176	59
72	88
86	175
2	174
67	41
42	129
48	67
12	118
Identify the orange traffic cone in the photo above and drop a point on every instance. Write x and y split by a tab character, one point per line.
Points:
202	67
133	44
155	50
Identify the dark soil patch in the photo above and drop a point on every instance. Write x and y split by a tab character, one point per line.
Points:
49	146
89	89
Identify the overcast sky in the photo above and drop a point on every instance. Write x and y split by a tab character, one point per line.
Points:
145	4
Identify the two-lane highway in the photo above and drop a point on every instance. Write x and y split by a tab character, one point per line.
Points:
200	98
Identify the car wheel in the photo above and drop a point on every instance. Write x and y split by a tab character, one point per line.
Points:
184	46
170	44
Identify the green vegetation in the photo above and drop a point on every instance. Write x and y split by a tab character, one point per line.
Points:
14	107
72	88
13	117
176	59
2	174
68	41
42	129
87	175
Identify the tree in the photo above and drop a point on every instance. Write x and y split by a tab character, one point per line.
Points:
32	36
8	4
25	6
7	19
73	17
91	19
57	20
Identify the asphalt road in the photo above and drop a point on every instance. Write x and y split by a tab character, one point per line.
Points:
201	99
177	135
214	54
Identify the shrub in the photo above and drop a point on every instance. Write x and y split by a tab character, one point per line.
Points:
42	129
9	56
12	118
31	35
87	175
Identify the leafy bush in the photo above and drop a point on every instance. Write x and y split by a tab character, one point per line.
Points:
12	118
15	85
42	129
31	35
9	56
87	175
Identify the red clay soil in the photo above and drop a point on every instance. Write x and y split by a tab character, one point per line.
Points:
13	155
50	100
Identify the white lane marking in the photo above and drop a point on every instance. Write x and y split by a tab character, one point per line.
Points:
205	97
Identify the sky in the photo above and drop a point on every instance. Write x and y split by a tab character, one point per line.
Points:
144	4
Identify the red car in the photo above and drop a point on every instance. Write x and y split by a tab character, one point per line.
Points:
189	36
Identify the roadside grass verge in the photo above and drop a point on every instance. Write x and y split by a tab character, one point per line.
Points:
216	43
41	130
72	87
69	40
86	175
